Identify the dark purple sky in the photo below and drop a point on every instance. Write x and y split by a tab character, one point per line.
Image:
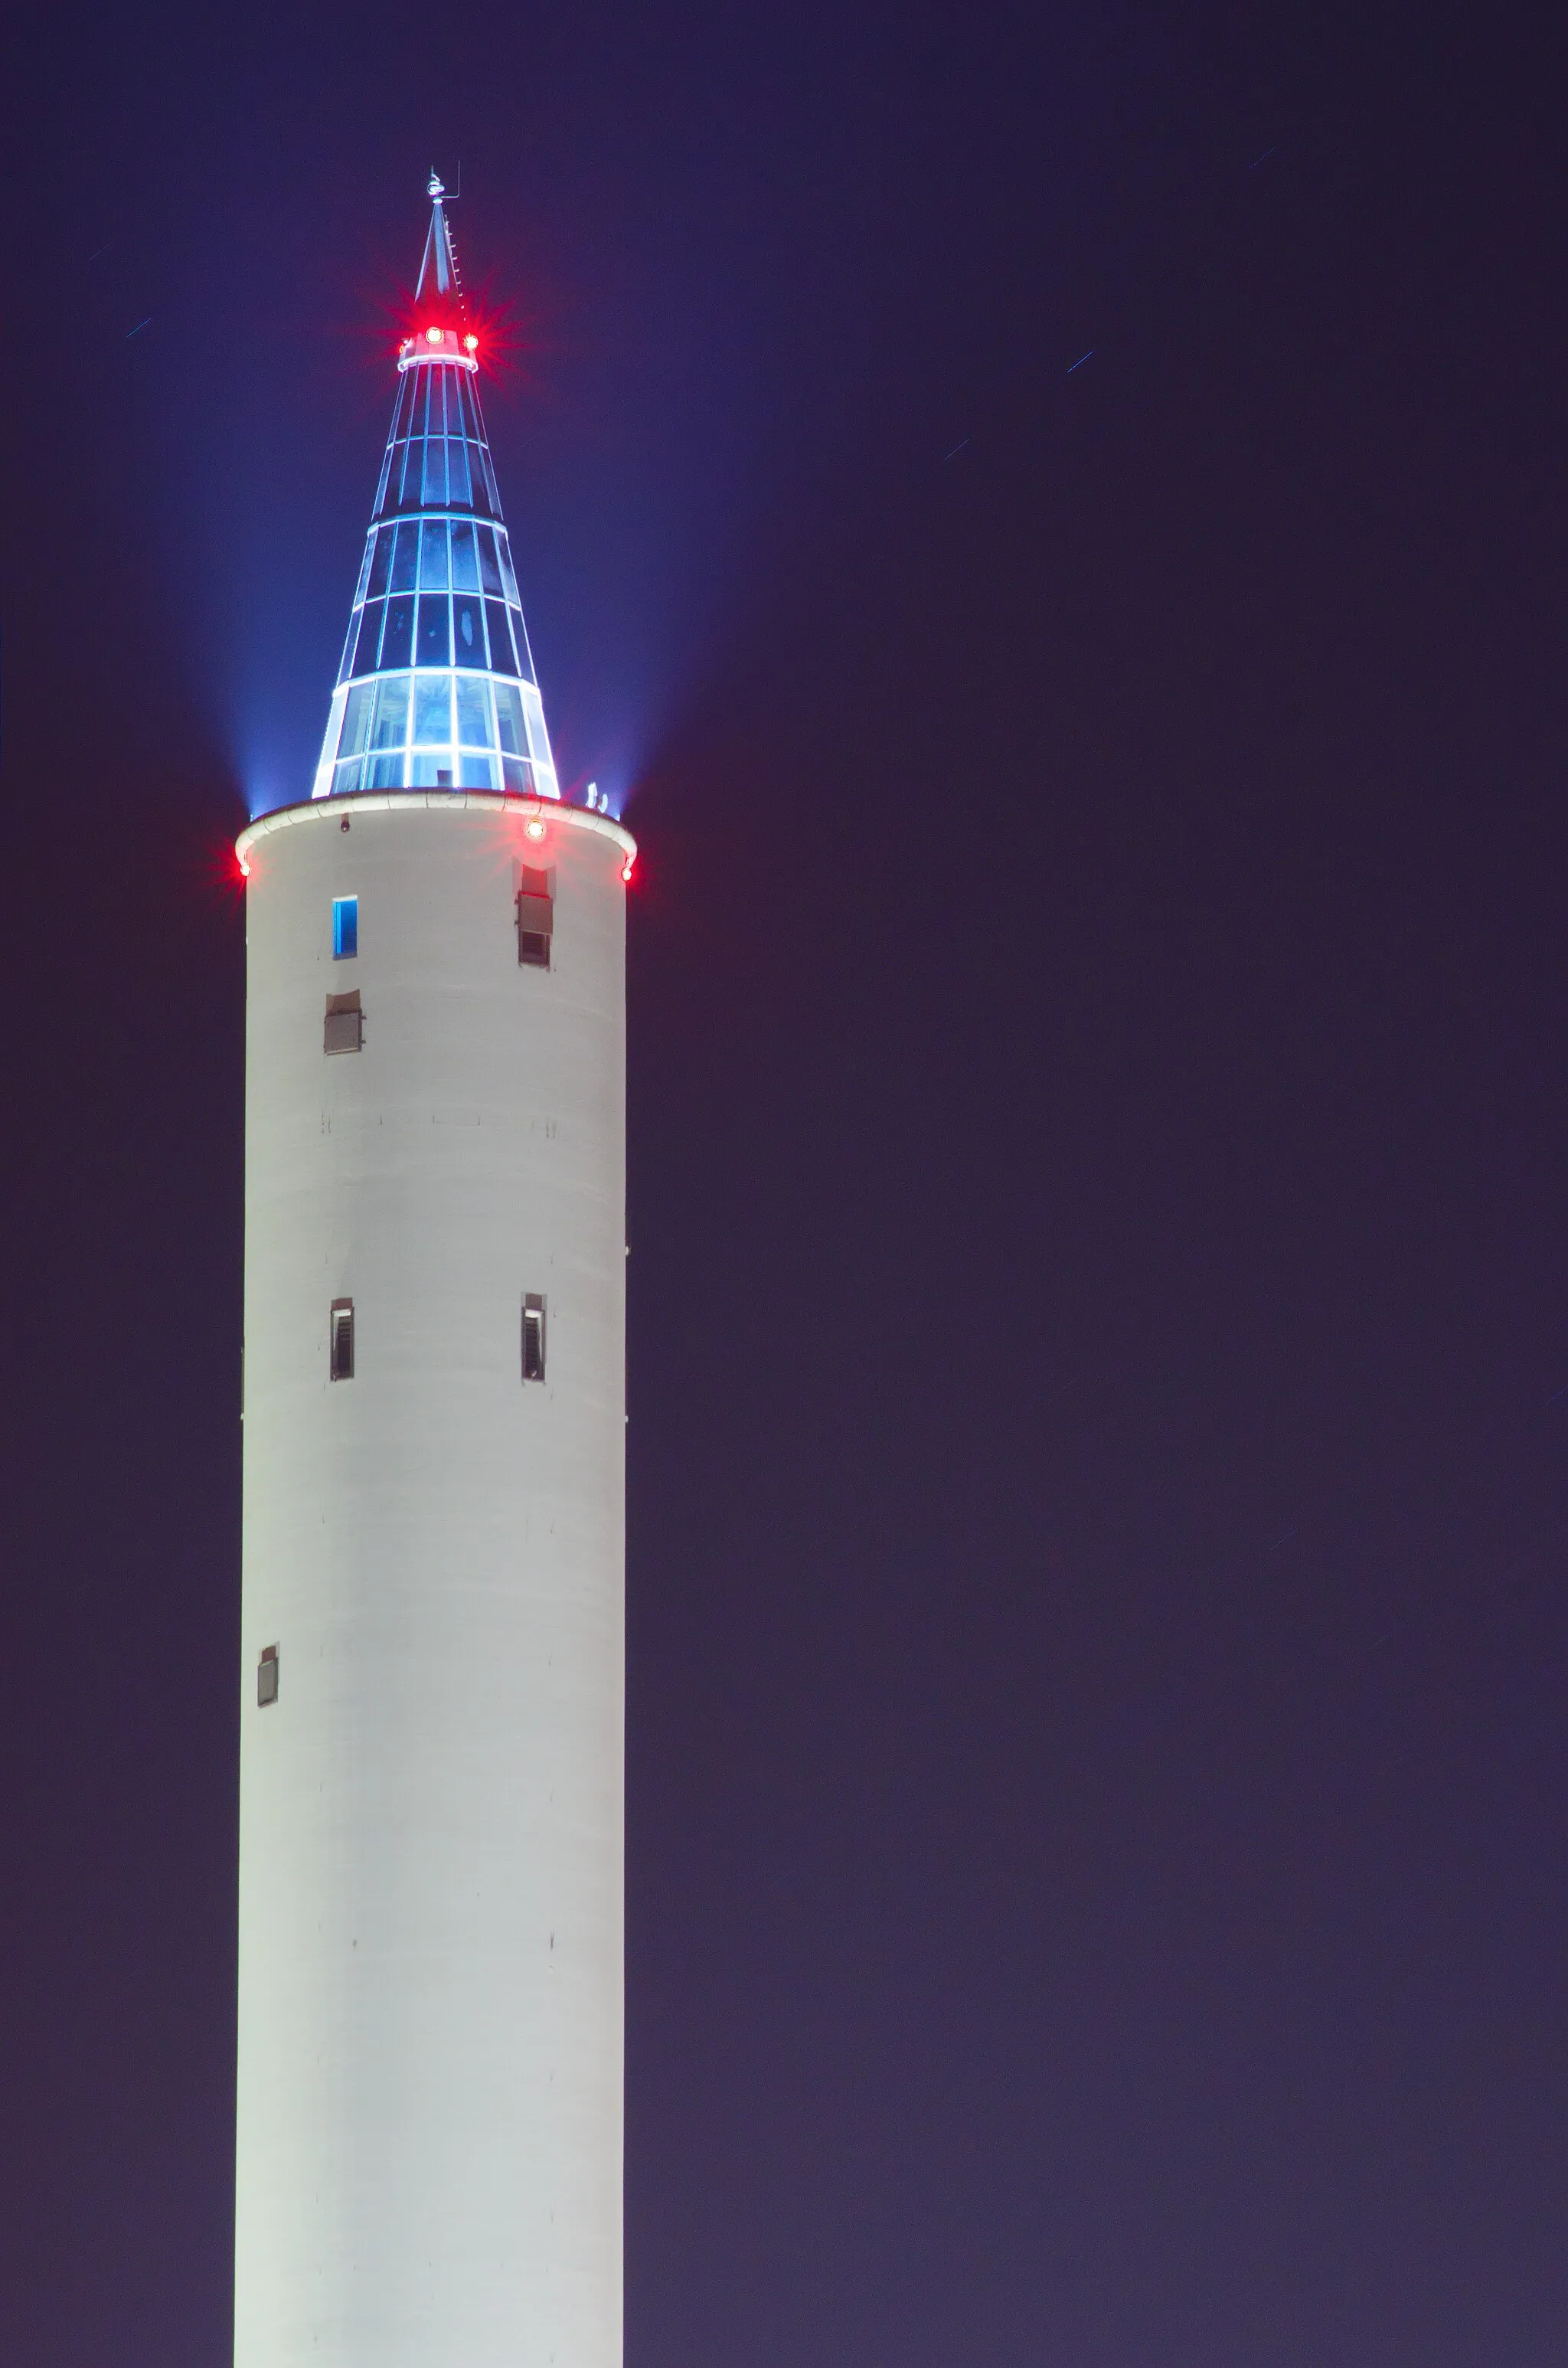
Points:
1099	1125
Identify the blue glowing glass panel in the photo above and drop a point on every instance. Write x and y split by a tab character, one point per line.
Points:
465	559
406	560
476	773
380	564
510	719
473	711
434	471
432	711
397	642
369	638
533	715
501	658
468	632
357	709
432	644
433	555
457	473
344	928
490	572
391	727
520	635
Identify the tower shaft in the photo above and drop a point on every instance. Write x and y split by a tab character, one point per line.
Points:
429	2113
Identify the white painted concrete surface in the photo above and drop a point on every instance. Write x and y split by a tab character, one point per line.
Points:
429	2112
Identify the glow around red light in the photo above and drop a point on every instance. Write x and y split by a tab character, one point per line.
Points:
434	336
470	344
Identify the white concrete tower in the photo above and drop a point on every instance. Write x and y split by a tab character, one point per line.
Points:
429	2111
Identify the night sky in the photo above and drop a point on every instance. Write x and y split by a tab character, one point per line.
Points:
1052	525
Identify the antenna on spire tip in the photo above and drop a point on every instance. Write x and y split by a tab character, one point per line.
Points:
433	187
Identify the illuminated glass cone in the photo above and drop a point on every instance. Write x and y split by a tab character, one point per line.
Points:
437	686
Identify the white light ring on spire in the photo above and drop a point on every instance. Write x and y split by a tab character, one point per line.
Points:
410	359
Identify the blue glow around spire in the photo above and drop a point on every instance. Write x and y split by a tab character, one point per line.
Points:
437	689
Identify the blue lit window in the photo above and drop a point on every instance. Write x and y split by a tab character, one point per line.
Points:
435	470
381	562
488	569
510	581
344	928
457	472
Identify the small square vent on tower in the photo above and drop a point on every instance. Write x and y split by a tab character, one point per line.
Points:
536	916
344	1023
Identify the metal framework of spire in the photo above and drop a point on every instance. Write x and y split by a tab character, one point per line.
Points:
438	265
437	686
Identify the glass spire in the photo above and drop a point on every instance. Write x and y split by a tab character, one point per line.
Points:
436	689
